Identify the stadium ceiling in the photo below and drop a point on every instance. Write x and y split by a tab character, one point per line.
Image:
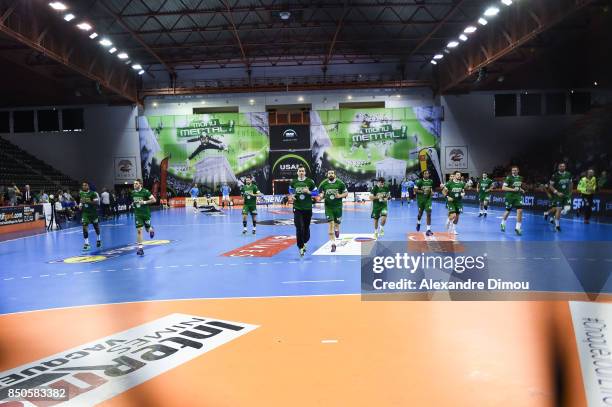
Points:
188	46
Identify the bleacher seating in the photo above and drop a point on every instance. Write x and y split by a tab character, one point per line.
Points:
19	167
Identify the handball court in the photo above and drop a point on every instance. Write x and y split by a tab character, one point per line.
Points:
311	339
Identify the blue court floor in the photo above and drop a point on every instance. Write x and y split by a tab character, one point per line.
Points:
186	260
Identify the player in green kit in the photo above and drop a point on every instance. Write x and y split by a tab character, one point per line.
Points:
484	187
379	195
424	190
333	190
561	186
301	192
141	199
249	192
454	191
89	201
513	187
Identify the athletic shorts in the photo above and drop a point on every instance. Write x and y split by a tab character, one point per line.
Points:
516	203
377	212
333	214
87	218
143	220
484	196
454	207
424	204
226	197
404	194
561	201
252	209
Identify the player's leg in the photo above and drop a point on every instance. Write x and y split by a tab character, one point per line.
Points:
505	215
298	220
419	216
480	207
85	224
485	205
148	227
254	220
139	225
375	215
456	219
587	203
428	219
558	209
96	225
519	220
244	219
307	218
337	221
383	221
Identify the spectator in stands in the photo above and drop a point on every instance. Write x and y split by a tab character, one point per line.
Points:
27	195
2	195
113	203
43	197
105	203
13	195
67	202
602	181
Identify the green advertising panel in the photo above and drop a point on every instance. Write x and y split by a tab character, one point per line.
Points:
208	149
368	143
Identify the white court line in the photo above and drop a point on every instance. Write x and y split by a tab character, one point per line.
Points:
311	281
77	272
172	267
8	279
44	275
24	277
329	341
60	274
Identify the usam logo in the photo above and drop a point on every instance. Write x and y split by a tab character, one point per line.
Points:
109	253
100	370
289	134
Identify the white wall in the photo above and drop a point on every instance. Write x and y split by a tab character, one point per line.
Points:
469	120
110	132
322	100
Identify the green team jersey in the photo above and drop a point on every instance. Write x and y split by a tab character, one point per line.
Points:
513	182
246	192
302	201
329	191
380	193
455	189
87	202
484	184
139	197
562	182
425	187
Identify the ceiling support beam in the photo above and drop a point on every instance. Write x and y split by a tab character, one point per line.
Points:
512	28
137	37
27	23
230	19
328	57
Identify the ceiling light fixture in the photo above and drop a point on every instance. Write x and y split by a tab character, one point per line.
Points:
482	21
84	26
105	42
69	17
491	11
122	55
56	5
93	35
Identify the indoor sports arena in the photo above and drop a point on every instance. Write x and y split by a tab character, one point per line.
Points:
220	203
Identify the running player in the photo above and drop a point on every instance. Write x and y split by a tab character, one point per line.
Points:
424	189
301	192
454	191
514	198
484	187
225	192
249	192
379	196
404	195
88	204
142	198
194	192
561	186
410	191
551	204
333	191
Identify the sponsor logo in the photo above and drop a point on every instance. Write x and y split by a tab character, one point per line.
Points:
347	245
266	247
290	134
109	253
292	166
99	370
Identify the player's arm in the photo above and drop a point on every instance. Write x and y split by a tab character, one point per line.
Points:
291	195
373	196
553	189
96	200
445	192
191	140
315	191
150	201
343	194
506	188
